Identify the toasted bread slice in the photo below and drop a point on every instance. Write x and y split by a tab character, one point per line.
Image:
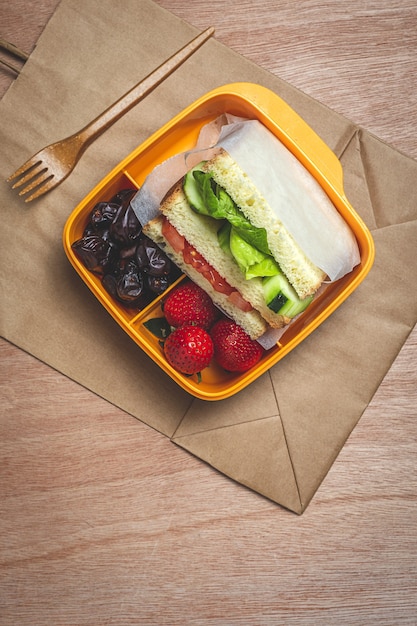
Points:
303	275
201	232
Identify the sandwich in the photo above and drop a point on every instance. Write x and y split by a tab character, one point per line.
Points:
252	227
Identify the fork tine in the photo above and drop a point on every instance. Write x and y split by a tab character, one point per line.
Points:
32	162
49	184
44	177
33	171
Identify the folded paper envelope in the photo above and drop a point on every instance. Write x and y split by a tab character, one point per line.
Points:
280	435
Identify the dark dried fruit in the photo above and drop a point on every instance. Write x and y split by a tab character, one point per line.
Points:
151	259
102	215
157	284
125	228
122	195
95	253
132	268
127	285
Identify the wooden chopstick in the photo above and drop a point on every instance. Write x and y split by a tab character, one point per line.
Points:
13	49
9	47
10	66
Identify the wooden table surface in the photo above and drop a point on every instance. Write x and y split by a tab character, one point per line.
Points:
104	521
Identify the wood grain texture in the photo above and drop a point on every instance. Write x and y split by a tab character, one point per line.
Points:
104	521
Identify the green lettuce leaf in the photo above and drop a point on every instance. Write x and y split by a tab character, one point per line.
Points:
251	261
237	236
220	206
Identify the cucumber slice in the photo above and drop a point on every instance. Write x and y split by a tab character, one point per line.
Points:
192	191
294	308
282	298
277	302
273	291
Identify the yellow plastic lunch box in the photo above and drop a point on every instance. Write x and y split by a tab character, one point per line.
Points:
254	102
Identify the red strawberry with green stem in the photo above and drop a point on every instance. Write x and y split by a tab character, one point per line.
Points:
189	304
234	350
189	349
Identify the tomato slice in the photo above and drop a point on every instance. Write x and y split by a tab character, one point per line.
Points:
240	302
217	282
175	240
198	262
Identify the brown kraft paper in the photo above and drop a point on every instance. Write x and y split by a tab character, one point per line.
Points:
281	434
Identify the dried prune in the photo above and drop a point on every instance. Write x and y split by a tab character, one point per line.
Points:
89	230
157	284
122	195
132	268
130	283
95	253
151	259
102	215
126	253
127	285
125	228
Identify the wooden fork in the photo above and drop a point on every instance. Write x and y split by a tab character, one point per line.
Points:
51	165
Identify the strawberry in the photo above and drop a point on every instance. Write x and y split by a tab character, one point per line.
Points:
234	350
189	349
189	304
